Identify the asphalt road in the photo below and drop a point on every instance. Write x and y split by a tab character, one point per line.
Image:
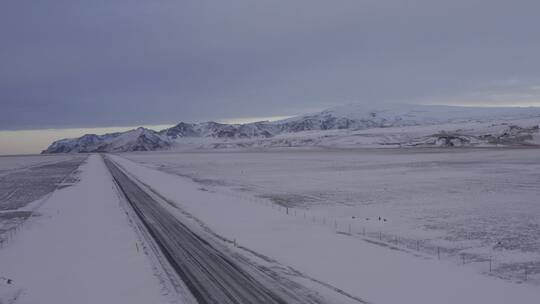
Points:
210	275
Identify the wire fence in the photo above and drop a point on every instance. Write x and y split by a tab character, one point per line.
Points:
484	263
352	228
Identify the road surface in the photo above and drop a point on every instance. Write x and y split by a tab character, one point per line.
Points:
210	275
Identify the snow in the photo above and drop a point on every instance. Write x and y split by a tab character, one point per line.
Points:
345	126
406	114
18	162
456	199
372	272
81	249
387	137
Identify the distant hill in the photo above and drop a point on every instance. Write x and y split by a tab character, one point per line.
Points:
351	117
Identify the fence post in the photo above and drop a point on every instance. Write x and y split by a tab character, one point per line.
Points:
349	228
335	224
287	210
463	258
439	253
489	264
364	231
380	235
417	245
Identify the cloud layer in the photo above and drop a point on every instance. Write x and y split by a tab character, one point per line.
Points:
75	63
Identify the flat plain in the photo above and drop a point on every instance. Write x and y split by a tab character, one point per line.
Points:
26	180
468	206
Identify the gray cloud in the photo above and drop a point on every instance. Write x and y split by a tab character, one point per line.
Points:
127	62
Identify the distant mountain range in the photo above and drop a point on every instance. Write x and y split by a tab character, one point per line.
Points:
347	117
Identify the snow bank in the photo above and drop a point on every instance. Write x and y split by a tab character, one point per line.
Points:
80	250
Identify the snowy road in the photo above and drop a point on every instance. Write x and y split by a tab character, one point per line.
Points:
210	275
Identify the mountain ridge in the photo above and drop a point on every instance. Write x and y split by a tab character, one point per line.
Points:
347	117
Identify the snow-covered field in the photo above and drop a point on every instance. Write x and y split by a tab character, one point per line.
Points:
80	249
310	216
26	182
12	163
467	206
376	271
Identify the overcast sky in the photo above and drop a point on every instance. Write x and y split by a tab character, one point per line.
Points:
99	63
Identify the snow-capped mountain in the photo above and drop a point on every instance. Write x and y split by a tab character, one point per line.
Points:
349	117
139	139
356	116
218	130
